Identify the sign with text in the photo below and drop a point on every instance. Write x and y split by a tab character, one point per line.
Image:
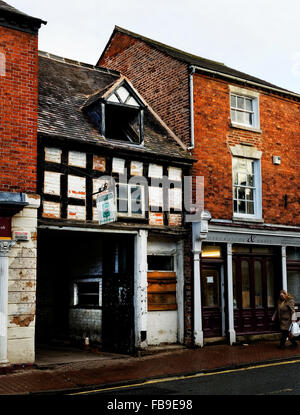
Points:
5	228
106	208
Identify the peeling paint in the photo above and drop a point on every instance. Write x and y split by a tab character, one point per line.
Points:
22	321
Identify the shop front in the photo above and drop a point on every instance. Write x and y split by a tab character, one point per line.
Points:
241	273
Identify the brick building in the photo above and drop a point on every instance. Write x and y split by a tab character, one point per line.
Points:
244	132
116	284
18	183
74	267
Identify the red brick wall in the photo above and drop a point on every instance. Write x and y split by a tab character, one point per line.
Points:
280	126
18	111
161	80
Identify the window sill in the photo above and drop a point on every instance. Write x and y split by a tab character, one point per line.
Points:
245	127
247	219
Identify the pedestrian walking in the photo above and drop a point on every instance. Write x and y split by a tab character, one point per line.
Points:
285	312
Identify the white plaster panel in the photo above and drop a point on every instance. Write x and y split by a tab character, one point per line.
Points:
77	159
162	327
76	187
21	350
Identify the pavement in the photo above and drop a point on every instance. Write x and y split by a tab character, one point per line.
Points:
65	370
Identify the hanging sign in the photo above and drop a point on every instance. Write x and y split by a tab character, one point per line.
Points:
106	208
5	228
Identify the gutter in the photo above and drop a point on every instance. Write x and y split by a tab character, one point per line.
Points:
252	83
191	88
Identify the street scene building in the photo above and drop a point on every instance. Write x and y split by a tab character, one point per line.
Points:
19	200
244	133
103	241
93	236
117	282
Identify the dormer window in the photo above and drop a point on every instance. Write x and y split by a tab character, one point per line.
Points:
118	113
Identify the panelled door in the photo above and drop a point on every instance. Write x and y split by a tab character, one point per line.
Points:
212	300
254	291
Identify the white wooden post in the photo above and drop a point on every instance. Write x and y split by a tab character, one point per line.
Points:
4	249
140	289
284	270
232	335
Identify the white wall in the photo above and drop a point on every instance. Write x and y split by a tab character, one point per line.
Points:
22	287
167	326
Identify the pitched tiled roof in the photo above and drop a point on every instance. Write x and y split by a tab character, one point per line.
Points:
198	61
10	16
64	88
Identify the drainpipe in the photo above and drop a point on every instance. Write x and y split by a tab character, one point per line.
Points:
191	87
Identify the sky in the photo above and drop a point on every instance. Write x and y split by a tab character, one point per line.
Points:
260	37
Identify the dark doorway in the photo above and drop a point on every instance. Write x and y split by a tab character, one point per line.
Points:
118	293
85	286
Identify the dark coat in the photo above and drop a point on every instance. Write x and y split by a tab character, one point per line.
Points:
285	312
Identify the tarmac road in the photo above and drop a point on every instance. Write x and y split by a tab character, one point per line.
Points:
278	378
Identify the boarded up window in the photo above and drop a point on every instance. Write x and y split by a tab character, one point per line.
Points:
53	155
76	212
76	187
161	283
52	183
51	209
77	159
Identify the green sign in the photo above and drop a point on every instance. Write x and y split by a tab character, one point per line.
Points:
106	208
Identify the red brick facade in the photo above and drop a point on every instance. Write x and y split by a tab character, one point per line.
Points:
279	136
157	76
18	110
164	82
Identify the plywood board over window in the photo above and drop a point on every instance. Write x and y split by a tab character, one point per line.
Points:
161	283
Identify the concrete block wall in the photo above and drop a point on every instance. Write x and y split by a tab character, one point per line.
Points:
85	323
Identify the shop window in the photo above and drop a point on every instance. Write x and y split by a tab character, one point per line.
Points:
270	283
293	284
130	199
293	253
210	288
88	293
258	284
245	284
161	283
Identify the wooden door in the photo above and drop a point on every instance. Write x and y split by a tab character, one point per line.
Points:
254	288
211	290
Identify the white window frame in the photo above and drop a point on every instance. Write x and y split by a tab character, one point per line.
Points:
257	192
129	213
246	94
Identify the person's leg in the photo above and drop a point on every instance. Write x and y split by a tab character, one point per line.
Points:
293	340
284	335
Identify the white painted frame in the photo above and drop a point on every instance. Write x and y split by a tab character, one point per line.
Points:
254	96
257	193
